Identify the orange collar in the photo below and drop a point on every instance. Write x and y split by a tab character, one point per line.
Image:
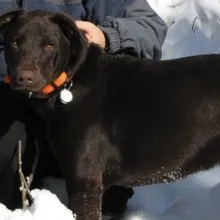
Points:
59	81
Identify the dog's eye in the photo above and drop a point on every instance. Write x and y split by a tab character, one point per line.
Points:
50	45
14	43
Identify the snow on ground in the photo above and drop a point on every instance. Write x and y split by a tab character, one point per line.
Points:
46	206
194	28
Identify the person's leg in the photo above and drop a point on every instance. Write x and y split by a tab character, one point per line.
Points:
9	179
12	129
19	122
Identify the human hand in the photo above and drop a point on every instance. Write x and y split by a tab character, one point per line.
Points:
92	32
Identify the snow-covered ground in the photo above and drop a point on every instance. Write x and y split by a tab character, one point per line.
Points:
194	28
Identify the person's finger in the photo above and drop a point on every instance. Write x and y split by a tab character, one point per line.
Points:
88	37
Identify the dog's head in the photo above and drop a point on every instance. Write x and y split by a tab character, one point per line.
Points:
39	46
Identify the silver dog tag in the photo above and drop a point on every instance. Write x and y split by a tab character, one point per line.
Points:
30	94
66	96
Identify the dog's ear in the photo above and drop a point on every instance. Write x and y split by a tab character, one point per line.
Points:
67	25
8	17
78	42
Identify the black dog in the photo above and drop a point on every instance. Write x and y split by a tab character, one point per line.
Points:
131	121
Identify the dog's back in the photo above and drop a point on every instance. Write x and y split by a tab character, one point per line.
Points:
164	117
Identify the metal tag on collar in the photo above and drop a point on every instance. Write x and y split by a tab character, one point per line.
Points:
30	94
66	95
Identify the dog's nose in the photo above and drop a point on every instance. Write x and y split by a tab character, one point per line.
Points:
26	78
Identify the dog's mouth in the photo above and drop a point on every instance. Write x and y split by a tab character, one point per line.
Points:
35	87
39	86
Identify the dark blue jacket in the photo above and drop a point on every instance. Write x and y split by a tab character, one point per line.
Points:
131	26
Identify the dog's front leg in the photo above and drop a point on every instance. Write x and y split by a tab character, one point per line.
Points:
81	153
86	203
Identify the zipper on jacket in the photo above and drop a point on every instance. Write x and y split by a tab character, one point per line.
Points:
19	3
